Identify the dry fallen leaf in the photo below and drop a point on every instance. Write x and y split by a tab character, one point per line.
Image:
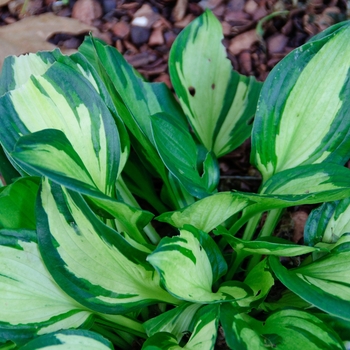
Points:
4	2
30	34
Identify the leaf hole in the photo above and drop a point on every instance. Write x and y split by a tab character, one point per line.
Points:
192	90
213	86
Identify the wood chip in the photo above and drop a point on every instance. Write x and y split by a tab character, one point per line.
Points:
185	22
243	41
121	29
179	10
156	37
87	11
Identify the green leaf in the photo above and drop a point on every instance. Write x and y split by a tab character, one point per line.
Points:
74	107
328	222
175	321
70	339
266	245
89	260
218	102
187	271
49	153
307	184
31	302
207	213
8	173
302	114
17	204
135	99
203	334
179	153
324	283
298	330
16	71
286	330
260	280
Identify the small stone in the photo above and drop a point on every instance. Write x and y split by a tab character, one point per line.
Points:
250	7
169	37
121	29
139	35
109	5
145	17
156	37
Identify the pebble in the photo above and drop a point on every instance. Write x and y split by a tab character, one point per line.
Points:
139	35
179	10
121	29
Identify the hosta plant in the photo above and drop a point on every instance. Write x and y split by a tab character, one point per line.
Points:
113	232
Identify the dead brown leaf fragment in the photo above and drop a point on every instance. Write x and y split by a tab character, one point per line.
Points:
31	34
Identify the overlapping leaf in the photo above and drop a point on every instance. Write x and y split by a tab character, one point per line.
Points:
92	262
179	153
135	99
218	102
189	264
266	245
203	334
301	120
175	321
63	99
324	283
17	202
328	222
207	213
49	153
70	339
307	184
31	302
285	330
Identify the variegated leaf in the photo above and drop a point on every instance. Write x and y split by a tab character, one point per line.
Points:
307	184
207	213
180	154
49	153
89	260
218	102
325	283
63	99
31	302
266	245
188	268
328	222
287	329
175	321
18	70
70	339
203	334
302	114
135	99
